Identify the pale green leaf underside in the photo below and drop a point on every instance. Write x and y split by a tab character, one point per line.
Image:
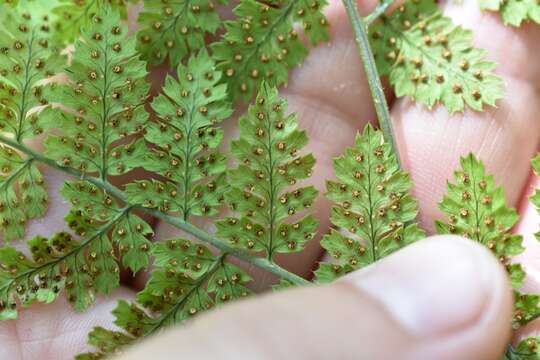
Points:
269	205
184	137
476	208
72	16
431	60
173	29
27	59
188	280
514	12
374	208
103	102
262	44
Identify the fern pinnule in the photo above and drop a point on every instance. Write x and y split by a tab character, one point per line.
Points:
476	208
514	12
27	61
263	45
188	279
373	207
264	187
431	60
72	16
184	136
103	102
173	29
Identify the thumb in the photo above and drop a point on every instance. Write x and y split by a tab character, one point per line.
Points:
441	298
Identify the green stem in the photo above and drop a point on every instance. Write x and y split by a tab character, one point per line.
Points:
173	220
377	92
379	10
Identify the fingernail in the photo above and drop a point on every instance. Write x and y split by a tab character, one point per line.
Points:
438	287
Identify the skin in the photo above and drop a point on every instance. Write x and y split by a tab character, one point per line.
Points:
354	312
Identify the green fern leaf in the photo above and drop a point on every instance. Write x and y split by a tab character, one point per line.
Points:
173	29
188	279
263	189
9	2
432	60
26	61
74	15
109	342
373	205
514	12
103	104
527	349
262	44
476	208
104	98
185	136
83	264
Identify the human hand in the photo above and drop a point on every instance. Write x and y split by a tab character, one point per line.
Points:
331	96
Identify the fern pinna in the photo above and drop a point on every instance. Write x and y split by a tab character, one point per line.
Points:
27	62
374	208
172	29
476	208
262	44
102	106
433	61
70	16
185	135
514	12
265	189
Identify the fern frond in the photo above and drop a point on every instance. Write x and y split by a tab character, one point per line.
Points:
262	44
264	190
514	12
476	208
173	29
373	206
27	61
432	60
185	135
74	15
188	279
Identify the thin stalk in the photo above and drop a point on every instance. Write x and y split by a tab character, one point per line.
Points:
379	100
379	10
173	220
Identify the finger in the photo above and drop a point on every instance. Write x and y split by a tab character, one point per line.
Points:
443	298
505	138
55	331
